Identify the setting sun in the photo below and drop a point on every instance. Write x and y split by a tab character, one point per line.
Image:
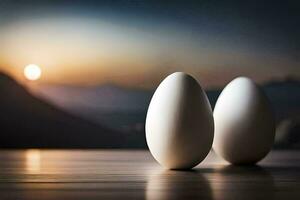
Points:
32	72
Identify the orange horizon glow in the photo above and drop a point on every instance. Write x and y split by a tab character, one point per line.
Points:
85	51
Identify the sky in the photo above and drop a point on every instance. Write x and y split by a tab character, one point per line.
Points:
137	43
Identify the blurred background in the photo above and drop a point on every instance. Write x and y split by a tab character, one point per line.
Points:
81	73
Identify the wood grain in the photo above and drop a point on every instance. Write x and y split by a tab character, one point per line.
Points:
112	174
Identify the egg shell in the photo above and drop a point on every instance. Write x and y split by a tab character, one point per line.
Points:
244	123
179	123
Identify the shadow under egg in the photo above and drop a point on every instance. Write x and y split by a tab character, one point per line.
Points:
243	182
178	185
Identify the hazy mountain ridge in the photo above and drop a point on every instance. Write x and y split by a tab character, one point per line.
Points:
284	97
124	109
105	97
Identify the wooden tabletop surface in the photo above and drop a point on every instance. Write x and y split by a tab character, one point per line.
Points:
116	174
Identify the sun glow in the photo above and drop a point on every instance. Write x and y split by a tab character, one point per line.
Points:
32	72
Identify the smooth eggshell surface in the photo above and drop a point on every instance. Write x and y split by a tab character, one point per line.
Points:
244	123
179	123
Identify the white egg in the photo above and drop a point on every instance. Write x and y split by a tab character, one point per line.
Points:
179	124
244	123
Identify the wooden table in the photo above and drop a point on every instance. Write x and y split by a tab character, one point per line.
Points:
116	174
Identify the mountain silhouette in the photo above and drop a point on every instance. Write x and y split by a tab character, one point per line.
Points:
29	122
